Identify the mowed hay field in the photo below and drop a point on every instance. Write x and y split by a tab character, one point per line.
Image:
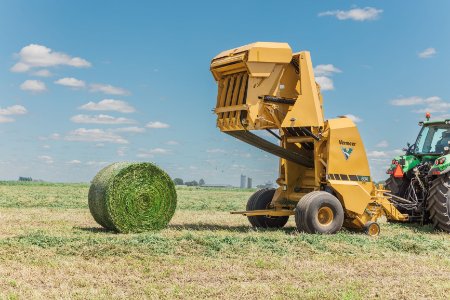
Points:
50	247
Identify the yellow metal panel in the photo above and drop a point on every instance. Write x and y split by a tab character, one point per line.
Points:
230	108
258	69
355	195
344	138
300	139
280	53
307	110
261	51
257	87
227	60
391	211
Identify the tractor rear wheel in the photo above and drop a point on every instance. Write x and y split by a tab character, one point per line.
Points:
439	202
397	186
261	200
319	212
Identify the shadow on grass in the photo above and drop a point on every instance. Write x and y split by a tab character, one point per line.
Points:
94	229
218	227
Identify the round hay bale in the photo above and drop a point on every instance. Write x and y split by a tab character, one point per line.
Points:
132	197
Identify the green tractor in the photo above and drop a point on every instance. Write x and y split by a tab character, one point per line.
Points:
419	181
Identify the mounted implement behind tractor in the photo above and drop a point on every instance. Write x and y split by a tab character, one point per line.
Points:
420	179
324	177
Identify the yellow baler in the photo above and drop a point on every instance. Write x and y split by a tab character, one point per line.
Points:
324	176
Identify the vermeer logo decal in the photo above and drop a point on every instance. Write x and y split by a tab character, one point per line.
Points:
347	150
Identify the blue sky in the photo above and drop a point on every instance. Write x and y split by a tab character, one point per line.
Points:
86	83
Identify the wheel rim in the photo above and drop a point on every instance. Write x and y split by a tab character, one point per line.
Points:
373	229
325	215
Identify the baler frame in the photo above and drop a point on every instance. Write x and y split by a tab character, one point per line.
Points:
264	86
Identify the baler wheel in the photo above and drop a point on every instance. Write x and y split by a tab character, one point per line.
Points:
261	200
439	202
319	212
372	228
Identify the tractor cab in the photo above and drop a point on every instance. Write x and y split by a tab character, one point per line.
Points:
432	138
431	143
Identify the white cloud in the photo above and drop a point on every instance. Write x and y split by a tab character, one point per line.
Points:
397	152
157	125
326	70
95	135
74	162
215	150
53	136
132	129
108	89
34	55
407	101
152	152
121	151
43	73
427	53
109	105
326	83
355	14
377	154
46	159
430	104
96	163
172	143
382	144
354	118
10	111
100	119
35	86
323	74
6	119
440	107
71	82
13	110
383	156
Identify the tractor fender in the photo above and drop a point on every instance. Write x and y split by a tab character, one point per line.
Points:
441	165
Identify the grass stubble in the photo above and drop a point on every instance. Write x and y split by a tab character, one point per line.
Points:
50	247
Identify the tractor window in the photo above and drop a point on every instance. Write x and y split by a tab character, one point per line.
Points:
432	139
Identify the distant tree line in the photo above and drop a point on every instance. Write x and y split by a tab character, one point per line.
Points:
179	181
25	179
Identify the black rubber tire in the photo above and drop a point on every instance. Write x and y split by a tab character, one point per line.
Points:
438	205
397	186
306	213
261	200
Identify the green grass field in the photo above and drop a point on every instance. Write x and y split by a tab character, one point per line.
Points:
50	247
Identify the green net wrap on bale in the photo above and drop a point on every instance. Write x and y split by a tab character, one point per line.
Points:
132	197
